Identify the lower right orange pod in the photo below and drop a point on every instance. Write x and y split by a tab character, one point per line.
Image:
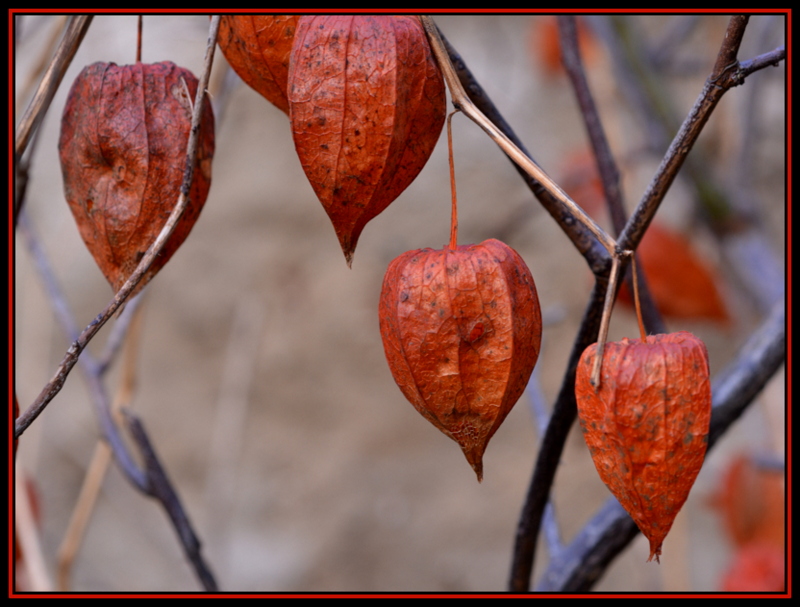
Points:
646	424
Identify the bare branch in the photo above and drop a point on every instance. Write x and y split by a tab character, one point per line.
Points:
73	35
96	471
159	486
718	83
152	480
143	480
552	446
727	55
607	168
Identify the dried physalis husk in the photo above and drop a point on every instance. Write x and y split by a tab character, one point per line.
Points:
646	424
258	47
367	105
461	329
123	143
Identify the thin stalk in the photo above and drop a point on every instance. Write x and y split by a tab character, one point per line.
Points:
139	40
608	305
37	108
462	102
454	200
636	302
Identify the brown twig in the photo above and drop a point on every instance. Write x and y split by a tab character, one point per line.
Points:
637	300
139	39
46	53
606	167
73	353
89	365
93	372
101	458
453	197
605	319
462	101
152	480
160	487
27	131
73	35
552	446
597	258
687	135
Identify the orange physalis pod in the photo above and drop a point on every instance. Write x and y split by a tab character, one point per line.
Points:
646	425
461	329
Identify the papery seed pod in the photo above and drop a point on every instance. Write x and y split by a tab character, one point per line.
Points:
461	329
367	105
646	425
258	47
123	143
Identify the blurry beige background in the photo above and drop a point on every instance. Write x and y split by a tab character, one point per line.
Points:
261	377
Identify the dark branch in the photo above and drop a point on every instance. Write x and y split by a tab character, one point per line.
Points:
159	487
607	168
718	83
552	446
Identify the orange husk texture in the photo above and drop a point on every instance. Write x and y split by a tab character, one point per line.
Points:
367	105
647	425
461	330
124	134
258	47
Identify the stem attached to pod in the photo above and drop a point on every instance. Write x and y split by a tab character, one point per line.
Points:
642	332
454	204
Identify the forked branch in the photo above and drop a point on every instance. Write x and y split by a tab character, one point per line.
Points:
564	411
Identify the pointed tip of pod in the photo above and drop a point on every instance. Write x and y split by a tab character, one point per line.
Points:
655	550
348	243
475	458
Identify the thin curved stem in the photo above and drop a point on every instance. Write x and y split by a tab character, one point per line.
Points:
454	198
462	101
605	320
73	35
596	256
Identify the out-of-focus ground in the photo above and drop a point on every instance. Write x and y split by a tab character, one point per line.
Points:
261	377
